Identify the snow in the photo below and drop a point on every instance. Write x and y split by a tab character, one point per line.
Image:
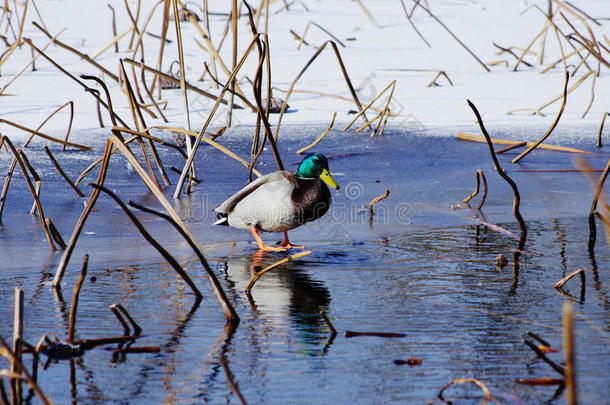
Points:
373	57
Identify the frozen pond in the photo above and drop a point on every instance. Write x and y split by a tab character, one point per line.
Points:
422	269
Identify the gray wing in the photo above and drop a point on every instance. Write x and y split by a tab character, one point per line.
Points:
227	206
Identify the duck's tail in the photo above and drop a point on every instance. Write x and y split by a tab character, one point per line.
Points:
223	219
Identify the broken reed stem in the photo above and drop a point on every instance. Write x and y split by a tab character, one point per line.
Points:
452	34
7	54
24	374
234	17
165	76
69	103
45	136
228	308
191	156
601	129
75	297
298	76
553	125
185	103
368	14
362	111
209	142
476	138
579	272
55	234
568	348
62	173
258	275
24	171
570	89
119	317
419	34
7	183
30	63
375	200
480	176
318	139
502	173
136	328
511	147
78	53
596	197
65	258
483	387
166	255
16	389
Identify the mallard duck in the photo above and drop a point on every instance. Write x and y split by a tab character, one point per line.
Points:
280	201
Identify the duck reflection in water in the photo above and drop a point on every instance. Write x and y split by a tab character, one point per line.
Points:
286	298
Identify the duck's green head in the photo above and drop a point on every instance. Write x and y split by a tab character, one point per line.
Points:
315	166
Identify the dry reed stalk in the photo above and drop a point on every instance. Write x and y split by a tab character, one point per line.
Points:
502	173
75	296
134	21
7	54
568	348
166	255
309	23
114	41
24	171
231	379
368	14
45	136
62	173
119	317
408	16
560	60
480	176
375	200
258	275
214	53
440	74
512	53
114	31
69	103
435	18
34	175
163	37
596	197
16	389
191	157
23	372
579	272
228	308
592	98
553	125
334	96
136	328
139	349
298	76
165	76
65	258
568	91
30	63
138	42
475	138
384	113
7	183
601	129
547	25
138	119
318	139
209	142
234	17
185	104
486	394
78	53
55	234
368	124
363	111
511	147
206	22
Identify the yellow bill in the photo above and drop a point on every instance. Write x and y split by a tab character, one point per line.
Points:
328	179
